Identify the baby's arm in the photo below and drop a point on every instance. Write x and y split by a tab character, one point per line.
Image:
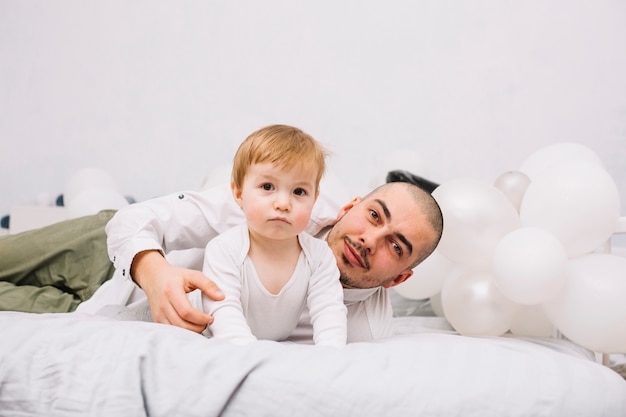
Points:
229	320
325	301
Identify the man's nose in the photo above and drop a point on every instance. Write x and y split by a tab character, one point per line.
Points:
371	239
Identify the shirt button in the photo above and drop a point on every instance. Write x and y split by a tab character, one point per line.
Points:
181	196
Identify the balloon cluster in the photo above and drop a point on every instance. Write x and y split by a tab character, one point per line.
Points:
525	254
90	190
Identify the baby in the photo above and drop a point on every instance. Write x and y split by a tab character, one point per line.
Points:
268	268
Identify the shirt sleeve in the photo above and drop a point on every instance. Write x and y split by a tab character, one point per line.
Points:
325	298
175	222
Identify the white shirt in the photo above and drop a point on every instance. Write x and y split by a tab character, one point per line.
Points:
180	226
250	311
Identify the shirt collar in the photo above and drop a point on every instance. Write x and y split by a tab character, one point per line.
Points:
354	295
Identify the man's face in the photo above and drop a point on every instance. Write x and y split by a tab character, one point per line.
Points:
376	239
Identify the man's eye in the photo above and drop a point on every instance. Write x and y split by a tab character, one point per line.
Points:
267	186
374	214
300	191
397	248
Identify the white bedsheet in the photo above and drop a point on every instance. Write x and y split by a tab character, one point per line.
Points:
72	365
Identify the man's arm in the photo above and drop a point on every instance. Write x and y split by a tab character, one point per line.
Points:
141	234
179	221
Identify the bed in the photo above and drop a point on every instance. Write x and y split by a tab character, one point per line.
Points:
91	365
74	365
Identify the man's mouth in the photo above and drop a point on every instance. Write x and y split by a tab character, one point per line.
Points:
354	255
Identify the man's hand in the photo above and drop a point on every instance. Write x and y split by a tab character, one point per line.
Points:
167	286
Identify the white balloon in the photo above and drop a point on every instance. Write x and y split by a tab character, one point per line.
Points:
93	200
44	199
474	306
476	216
513	184
435	304
532	321
87	178
591	310
220	174
577	201
428	277
529	265
555	154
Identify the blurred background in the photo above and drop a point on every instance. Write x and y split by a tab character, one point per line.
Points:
160	93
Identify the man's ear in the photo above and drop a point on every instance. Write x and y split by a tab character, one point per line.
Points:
236	194
404	275
348	206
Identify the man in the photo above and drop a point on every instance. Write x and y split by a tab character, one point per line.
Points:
157	245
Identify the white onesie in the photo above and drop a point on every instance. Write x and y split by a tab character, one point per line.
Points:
250	312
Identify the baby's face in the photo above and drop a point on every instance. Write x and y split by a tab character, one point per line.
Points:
277	202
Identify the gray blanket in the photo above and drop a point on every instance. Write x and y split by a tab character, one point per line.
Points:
73	365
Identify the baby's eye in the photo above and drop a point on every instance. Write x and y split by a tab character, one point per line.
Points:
300	191
267	186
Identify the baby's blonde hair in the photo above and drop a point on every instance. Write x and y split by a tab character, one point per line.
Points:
283	146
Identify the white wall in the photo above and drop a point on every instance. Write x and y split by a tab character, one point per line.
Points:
158	92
